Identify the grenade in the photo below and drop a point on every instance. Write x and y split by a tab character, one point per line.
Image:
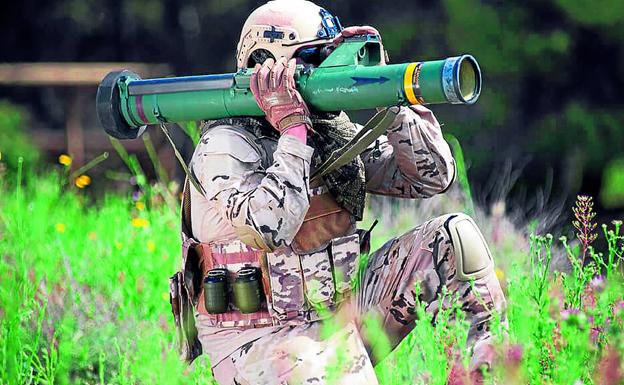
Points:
216	291
247	290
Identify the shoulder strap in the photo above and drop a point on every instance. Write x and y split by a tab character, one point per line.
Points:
374	128
190	175
187	228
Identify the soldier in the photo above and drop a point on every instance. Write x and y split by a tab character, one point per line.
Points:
258	216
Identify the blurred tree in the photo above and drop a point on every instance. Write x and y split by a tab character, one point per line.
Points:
14	143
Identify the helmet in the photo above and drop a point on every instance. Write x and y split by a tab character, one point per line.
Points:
283	27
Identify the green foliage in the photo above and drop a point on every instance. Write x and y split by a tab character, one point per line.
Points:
84	299
604	13
612	191
86	294
14	141
192	130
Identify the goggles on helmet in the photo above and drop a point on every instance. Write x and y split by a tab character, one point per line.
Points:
330	25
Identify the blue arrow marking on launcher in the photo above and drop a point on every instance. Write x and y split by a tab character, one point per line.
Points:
359	81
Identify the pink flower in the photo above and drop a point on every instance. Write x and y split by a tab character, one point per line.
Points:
598	283
609	368
514	355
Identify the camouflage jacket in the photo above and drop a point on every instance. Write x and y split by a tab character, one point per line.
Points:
243	194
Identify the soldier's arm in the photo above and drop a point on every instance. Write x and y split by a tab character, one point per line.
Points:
413	160
265	206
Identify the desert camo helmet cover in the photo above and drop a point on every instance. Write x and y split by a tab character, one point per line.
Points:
281	28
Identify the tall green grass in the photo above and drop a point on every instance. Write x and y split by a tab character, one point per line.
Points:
84	300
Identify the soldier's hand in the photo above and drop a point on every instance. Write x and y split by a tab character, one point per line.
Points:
356	31
273	86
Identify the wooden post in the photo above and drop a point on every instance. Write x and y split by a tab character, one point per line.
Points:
73	128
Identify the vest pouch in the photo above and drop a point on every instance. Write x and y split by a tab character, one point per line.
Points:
189	346
284	270
324	221
319	280
346	256
232	257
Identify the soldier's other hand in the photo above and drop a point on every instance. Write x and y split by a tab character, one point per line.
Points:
360	30
355	31
274	88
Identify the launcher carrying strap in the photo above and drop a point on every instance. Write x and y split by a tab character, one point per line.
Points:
189	172
372	130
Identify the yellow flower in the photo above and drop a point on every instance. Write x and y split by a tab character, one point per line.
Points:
60	227
151	246
140	206
500	274
139	222
83	181
92	235
65	160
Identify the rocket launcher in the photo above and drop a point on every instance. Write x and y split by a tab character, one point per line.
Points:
350	78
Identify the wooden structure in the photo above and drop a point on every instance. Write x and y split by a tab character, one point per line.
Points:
82	79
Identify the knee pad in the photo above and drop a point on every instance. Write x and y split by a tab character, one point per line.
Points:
472	255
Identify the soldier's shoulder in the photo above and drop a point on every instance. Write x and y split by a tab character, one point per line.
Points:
228	140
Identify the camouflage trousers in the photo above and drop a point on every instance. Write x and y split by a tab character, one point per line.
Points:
308	354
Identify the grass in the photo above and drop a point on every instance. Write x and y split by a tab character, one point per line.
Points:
84	295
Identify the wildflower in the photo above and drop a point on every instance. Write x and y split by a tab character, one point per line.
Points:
65	160
598	283
140	206
584	214
60	227
514	355
574	317
594	334
618	308
568	313
151	246
92	235
136	196
82	181
500	274
609	368
139	222
461	376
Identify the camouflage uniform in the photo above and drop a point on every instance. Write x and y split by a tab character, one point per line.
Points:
413	161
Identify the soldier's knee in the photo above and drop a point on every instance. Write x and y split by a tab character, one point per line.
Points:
472	254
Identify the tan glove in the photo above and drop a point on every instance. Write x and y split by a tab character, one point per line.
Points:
273	86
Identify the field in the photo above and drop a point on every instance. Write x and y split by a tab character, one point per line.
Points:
84	292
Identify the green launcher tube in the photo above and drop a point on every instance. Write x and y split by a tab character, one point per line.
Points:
126	103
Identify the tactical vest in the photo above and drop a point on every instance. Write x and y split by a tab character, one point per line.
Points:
300	281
